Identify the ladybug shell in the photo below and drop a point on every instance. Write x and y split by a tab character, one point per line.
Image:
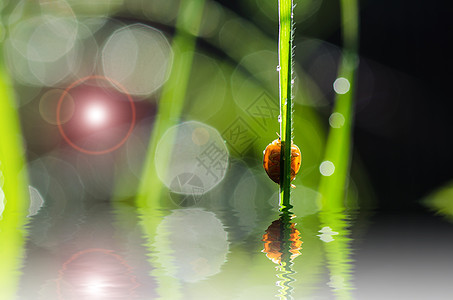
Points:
271	160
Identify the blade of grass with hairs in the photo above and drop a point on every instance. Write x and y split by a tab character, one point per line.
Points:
285	57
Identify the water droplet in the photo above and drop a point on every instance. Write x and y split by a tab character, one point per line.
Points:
278	68
292	81
279	118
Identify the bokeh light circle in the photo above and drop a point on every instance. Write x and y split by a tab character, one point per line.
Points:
138	57
336	120
191	158
37	56
192	244
45	38
326	168
48	106
341	85
59	121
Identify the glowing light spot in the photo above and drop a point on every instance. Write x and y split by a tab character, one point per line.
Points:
341	85
95	286
327	168
96	114
326	234
96	274
336	120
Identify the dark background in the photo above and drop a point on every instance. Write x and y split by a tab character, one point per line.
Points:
413	156
403	127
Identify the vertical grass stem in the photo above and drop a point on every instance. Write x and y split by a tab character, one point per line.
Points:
285	54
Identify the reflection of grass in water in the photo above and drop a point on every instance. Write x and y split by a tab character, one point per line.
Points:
282	244
338	253
290	246
15	189
440	201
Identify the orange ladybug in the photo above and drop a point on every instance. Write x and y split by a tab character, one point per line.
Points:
271	160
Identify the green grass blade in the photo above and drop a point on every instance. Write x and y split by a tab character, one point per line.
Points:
173	95
285	54
338	149
14	185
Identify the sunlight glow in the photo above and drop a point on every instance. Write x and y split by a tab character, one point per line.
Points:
96	114
95	287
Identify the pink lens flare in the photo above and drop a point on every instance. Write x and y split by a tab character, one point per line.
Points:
96	273
95	115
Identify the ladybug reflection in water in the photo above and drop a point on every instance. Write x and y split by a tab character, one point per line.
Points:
271	160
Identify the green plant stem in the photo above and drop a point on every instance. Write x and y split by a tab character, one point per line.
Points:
13	182
285	48
338	149
173	96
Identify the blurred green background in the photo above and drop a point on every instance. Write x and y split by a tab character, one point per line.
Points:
186	100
